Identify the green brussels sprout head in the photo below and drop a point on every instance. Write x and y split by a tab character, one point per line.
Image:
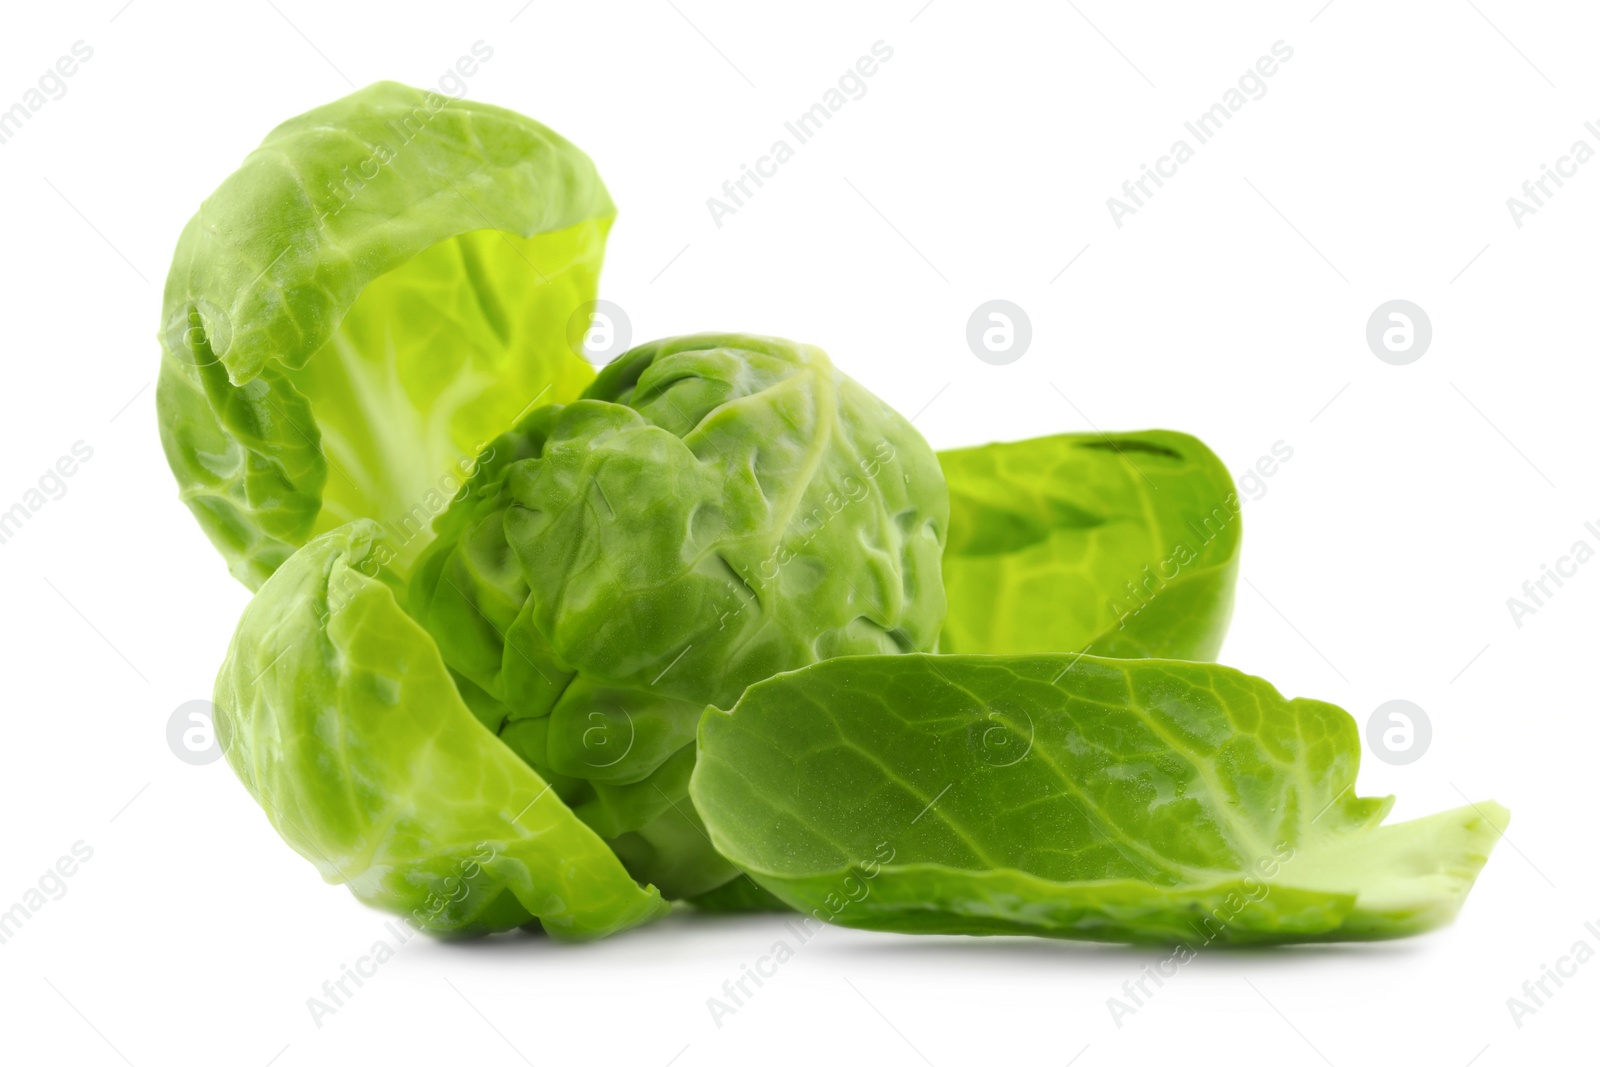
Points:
714	510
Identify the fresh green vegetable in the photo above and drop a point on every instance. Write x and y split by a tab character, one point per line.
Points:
1079	797
337	713
381	288
1112	544
501	600
716	509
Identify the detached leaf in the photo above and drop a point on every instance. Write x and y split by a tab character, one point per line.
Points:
1117	545
336	712
379	290
1076	797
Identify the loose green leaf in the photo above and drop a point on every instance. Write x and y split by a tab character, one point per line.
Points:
337	713
379	290
1117	545
1077	797
716	509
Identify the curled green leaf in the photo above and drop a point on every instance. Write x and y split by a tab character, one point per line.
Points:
380	289
335	710
1111	544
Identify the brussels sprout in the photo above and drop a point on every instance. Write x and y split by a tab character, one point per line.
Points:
716	509
383	286
497	596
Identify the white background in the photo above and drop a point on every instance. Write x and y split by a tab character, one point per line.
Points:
1377	563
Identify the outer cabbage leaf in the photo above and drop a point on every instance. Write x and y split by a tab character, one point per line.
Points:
380	289
717	509
1120	545
336	711
1075	797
